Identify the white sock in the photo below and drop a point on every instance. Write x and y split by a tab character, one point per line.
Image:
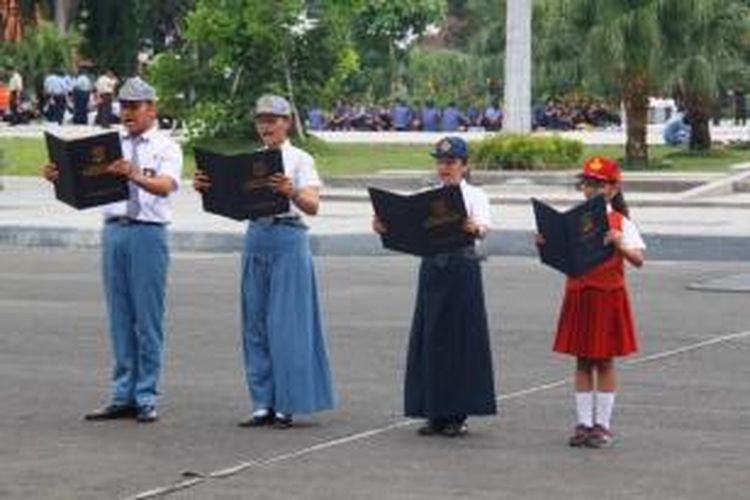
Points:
260	413
605	403
585	408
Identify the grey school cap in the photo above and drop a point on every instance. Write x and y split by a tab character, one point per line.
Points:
135	89
273	105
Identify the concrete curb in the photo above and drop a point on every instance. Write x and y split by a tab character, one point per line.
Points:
668	201
719	187
500	243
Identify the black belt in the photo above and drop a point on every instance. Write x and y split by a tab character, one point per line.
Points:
285	219
127	221
279	219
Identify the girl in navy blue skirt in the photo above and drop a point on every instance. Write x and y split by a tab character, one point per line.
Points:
449	372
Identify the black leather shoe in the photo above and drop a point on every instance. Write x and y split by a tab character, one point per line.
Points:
282	421
258	420
112	412
455	429
147	414
431	428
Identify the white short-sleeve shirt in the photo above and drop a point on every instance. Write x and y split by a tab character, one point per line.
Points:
299	166
477	204
16	82
158	154
105	85
631	237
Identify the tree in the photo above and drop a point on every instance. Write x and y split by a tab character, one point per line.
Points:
114	30
483	34
623	44
236	50
41	51
395	25
703	39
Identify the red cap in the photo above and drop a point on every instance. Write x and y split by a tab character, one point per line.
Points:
602	169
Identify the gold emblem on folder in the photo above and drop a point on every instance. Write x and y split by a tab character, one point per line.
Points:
260	169
98	154
440	214
97	164
439	208
588	224
258	178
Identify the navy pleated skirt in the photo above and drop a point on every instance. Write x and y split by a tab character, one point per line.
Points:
449	364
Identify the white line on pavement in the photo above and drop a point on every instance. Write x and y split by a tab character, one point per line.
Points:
236	469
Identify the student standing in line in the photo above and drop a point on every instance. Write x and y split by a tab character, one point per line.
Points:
449	372
135	256
284	349
596	324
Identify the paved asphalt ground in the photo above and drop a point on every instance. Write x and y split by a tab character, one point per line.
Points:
682	417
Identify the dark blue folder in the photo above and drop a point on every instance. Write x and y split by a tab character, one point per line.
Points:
84	181
240	187
573	240
423	224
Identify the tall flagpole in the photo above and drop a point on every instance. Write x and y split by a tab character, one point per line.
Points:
517	107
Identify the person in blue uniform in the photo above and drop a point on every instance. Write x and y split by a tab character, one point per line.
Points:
401	116
449	373
135	256
493	117
316	118
452	118
430	117
82	88
285	356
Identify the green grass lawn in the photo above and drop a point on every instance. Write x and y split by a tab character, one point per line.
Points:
25	157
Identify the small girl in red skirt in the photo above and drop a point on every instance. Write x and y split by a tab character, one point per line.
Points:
596	324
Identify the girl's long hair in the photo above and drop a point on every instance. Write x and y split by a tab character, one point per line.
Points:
619	204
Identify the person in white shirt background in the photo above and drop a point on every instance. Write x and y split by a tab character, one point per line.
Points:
449	373
285	358
15	86
135	256
105	90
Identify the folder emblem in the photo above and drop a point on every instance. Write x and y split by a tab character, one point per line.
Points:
98	154
588	224
260	170
439	208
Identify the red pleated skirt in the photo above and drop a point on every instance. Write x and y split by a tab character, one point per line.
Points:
596	324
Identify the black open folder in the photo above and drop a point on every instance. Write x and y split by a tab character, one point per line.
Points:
83	180
423	224
573	240
240	187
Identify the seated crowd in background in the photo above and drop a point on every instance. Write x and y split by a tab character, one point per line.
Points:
428	117
573	114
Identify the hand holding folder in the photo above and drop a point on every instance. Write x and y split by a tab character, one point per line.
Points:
83	178
240	186
422	224
573	241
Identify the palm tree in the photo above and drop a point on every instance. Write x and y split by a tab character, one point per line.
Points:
623	43
702	39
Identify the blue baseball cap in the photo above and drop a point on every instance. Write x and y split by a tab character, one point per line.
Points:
451	147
